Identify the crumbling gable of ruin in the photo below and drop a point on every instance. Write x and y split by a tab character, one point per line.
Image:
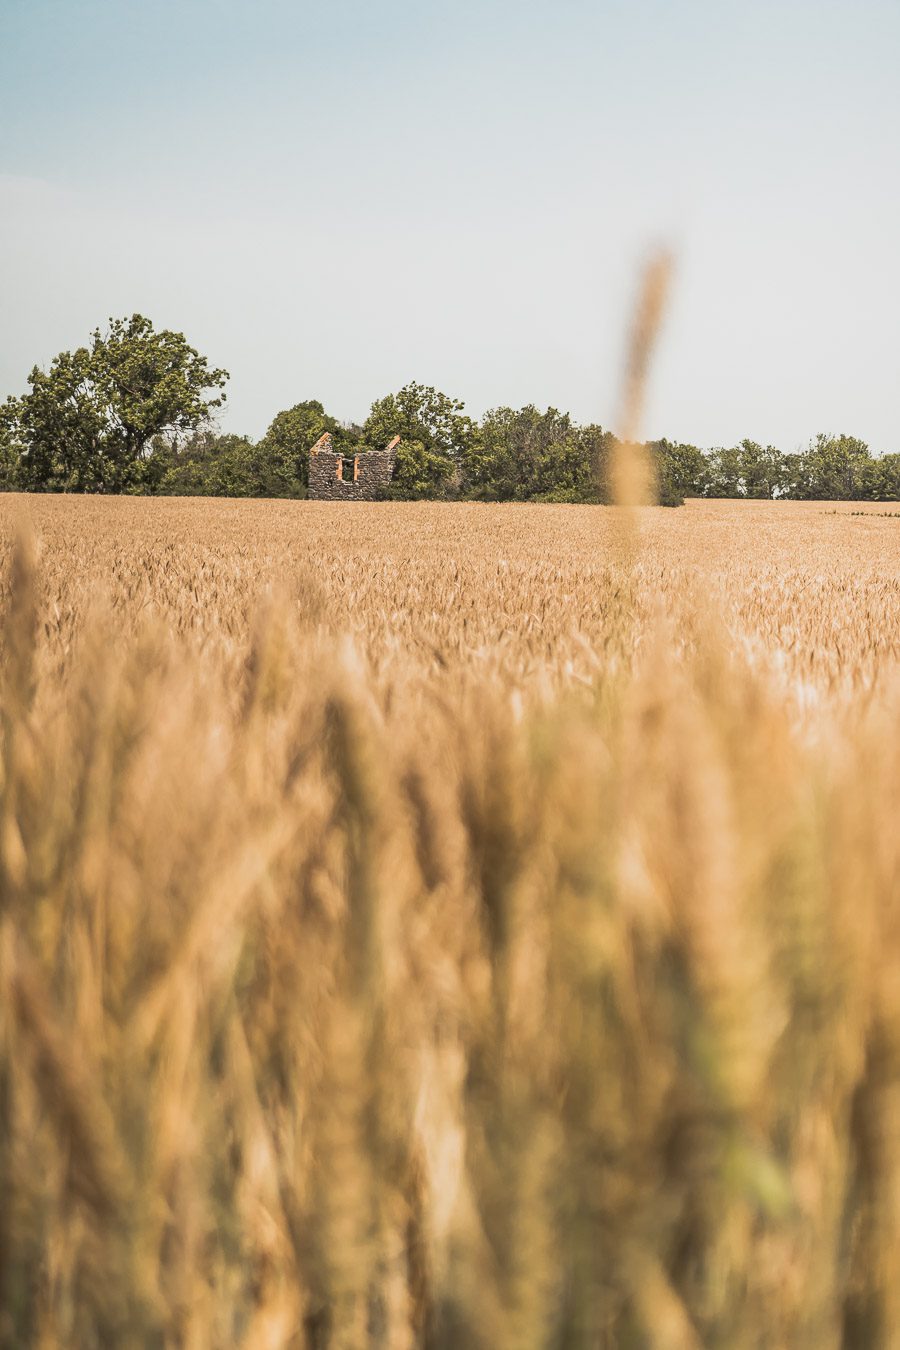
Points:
334	477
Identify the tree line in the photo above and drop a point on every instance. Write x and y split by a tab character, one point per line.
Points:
134	412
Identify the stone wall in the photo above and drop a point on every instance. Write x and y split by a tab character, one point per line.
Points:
349	478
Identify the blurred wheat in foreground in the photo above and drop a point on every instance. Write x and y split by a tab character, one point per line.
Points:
417	932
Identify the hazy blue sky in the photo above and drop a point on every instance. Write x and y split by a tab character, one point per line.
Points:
331	199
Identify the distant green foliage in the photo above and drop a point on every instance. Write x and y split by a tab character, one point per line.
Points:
526	455
834	468
88	422
283	453
435	436
132	412
11	446
883	479
831	468
682	470
207	465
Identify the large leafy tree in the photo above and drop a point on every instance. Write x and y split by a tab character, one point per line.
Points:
762	469
724	472
682	470
205	465
435	435
89	422
10	445
745	470
597	448
833	468
283	453
524	454
883	478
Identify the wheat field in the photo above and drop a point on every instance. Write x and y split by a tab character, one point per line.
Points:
449	926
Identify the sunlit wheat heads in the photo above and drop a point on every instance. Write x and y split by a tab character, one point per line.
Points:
420	929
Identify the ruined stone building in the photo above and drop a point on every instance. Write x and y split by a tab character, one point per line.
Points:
334	477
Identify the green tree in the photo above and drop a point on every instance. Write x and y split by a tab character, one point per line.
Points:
88	423
10	446
527	455
435	436
833	468
725	476
283	453
597	448
683	470
420	472
762	470
206	465
883	479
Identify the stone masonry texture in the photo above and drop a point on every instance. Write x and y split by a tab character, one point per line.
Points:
349	478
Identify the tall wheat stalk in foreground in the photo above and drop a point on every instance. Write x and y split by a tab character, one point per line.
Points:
631	471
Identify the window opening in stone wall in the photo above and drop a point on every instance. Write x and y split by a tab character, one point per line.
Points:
367	474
